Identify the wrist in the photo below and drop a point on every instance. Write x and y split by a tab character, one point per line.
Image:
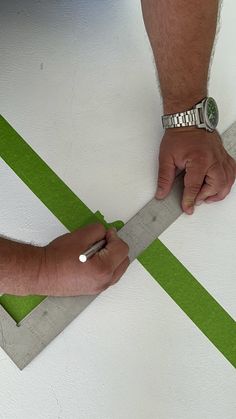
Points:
34	261
177	104
20	265
192	128
28	261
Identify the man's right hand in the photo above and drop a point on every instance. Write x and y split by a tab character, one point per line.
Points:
62	273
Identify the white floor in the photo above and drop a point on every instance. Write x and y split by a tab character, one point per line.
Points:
78	83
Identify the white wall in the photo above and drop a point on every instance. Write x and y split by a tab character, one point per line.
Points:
78	83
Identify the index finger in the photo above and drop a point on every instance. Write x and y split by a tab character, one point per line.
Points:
193	181
113	254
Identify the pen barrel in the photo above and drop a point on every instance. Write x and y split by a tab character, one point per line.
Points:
94	248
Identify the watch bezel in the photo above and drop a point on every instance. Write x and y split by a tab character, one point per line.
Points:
208	123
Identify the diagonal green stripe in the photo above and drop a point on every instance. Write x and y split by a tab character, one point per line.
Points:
174	278
38	176
52	191
191	297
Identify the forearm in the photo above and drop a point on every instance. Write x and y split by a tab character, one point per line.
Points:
181	34
19	267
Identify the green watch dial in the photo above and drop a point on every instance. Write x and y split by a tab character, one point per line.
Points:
212	114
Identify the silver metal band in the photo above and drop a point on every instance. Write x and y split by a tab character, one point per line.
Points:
180	119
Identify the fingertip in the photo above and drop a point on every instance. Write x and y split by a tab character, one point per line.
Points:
198	203
113	230
188	209
112	233
101	228
161	193
166	177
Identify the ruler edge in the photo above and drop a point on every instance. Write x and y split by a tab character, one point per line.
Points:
66	309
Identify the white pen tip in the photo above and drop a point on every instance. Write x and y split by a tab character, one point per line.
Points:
82	258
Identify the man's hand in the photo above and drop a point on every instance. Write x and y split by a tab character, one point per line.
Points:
56	270
210	170
181	34
62	273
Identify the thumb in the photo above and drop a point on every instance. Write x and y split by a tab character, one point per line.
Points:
166	177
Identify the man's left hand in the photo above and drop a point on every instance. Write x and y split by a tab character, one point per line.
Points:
209	170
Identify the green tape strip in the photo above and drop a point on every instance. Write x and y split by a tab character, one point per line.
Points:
191	297
19	307
174	278
52	191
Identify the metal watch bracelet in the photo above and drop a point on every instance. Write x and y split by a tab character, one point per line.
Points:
181	119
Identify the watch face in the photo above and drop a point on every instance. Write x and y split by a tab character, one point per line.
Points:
211	113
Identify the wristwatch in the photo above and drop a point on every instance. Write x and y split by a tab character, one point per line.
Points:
204	114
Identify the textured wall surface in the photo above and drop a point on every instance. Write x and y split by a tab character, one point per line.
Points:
77	81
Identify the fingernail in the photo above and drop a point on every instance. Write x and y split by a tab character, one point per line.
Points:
199	203
159	193
189	210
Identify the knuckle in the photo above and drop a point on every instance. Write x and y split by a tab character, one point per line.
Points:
102	268
197	158
100	228
125	246
163	179
229	160
230	181
188	201
128	261
223	193
106	271
214	167
120	247
223	183
102	279
202	159
102	286
126	264
193	189
221	197
226	191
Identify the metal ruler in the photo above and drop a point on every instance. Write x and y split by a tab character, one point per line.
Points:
142	229
154	218
25	340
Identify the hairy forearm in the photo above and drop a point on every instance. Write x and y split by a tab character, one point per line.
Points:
181	34
19	267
